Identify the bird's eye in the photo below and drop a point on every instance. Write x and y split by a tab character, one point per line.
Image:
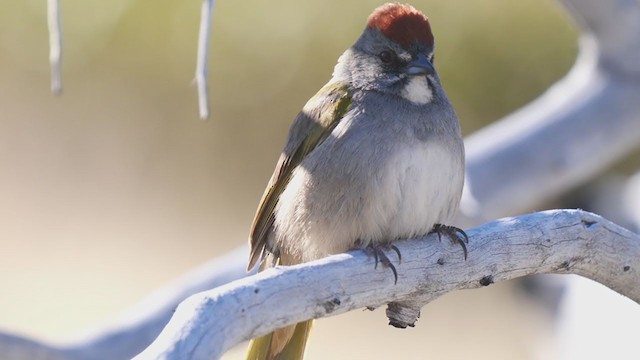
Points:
386	56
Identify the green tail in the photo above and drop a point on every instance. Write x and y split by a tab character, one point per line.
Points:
261	348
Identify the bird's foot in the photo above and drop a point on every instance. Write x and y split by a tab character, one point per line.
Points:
456	235
378	253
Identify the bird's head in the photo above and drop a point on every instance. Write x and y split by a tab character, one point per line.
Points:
393	55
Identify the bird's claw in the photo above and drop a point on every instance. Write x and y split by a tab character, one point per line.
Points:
455	234
377	251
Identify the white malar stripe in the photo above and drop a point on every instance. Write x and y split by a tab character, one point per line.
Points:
418	91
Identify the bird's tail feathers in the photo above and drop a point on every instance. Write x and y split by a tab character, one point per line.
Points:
287	343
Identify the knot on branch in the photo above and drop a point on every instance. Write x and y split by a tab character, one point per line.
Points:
402	315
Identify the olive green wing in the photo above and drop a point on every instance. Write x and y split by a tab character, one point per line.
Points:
311	127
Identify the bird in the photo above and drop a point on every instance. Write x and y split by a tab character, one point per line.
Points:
375	156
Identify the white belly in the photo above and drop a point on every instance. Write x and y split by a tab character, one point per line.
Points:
424	183
418	187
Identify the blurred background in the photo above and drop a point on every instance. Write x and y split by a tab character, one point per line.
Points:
114	188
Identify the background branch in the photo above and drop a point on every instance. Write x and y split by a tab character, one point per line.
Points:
563	137
560	241
55	45
201	61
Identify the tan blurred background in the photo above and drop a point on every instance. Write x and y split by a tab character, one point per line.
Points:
116	187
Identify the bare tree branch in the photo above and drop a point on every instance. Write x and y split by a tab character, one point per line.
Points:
203	51
578	128
573	132
135	329
560	241
55	45
15	347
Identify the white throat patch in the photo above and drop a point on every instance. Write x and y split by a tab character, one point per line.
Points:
418	91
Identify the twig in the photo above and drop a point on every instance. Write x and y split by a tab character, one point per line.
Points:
201	63
55	45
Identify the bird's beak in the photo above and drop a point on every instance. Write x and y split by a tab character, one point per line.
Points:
420	66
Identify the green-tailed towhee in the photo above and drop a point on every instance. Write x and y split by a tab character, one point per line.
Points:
375	156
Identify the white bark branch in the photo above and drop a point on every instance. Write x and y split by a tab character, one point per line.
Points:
55	45
201	61
560	241
578	128
136	329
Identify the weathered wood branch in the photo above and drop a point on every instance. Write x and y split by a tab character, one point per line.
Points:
135	329
566	136
560	241
201	60
55	45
